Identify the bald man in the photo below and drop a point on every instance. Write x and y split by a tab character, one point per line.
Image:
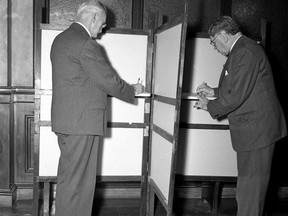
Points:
82	79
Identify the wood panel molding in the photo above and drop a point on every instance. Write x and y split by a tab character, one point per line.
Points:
225	7
29	143
23	138
137	14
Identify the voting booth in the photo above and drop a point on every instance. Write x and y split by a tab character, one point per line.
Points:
205	145
159	136
168	67
205	152
125	145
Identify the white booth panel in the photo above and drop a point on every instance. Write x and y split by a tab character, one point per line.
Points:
46	68
206	153
49	152
120	154
163	116
202	64
45	107
191	115
117	110
161	157
120	111
167	62
127	54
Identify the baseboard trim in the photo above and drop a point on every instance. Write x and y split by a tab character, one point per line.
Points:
7	196
24	191
130	188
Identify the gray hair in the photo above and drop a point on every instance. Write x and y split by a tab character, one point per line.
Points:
225	23
91	7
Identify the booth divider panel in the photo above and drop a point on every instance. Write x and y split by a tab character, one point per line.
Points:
204	152
168	69
167	62
202	64
113	157
161	154
163	116
49	152
191	115
127	54
117	110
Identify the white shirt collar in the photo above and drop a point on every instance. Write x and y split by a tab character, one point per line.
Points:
84	28
235	42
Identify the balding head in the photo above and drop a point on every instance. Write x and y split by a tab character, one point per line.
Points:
91	7
92	15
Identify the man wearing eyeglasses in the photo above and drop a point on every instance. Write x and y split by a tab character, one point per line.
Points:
246	95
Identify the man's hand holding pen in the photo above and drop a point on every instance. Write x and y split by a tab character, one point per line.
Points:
138	87
203	91
203	101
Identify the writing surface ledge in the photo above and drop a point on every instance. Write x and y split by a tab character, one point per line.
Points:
143	95
192	96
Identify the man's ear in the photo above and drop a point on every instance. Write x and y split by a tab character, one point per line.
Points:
225	37
94	18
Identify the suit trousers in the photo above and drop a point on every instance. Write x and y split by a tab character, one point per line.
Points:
254	169
76	177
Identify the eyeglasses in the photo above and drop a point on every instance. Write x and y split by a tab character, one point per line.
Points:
103	25
212	41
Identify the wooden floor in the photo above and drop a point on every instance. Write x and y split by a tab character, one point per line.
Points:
127	207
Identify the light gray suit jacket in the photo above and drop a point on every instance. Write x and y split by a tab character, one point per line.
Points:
82	79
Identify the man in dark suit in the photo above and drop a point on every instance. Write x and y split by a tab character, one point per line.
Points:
246	95
82	79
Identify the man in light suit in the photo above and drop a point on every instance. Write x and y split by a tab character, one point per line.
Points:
82	79
246	95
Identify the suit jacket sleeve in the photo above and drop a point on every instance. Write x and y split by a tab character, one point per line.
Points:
237	84
95	64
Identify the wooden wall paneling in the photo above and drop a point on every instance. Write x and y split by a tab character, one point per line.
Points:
201	12
7	186
137	14
225	7
263	32
22	43
9	41
19	80
23	138
62	12
16	72
3	45
36	63
4	140
45	11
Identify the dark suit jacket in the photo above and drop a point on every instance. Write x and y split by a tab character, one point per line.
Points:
81	80
246	94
